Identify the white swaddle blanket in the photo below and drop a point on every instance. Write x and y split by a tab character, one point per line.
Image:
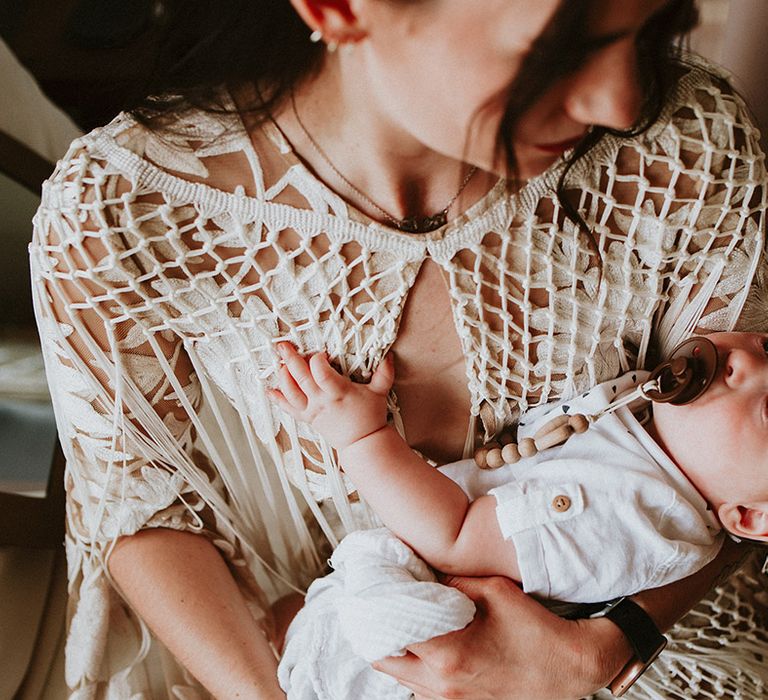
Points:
380	598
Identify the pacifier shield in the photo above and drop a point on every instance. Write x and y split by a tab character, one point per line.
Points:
687	374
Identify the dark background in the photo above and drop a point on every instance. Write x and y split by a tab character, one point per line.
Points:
87	55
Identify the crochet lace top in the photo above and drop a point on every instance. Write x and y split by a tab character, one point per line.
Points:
162	287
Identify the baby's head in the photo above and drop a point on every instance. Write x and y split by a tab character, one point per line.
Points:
720	440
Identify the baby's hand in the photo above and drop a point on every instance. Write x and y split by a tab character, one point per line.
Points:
337	408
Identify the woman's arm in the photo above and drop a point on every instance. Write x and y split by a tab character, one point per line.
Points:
179	584
668	604
125	393
491	657
514	648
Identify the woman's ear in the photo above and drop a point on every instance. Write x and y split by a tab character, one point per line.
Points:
335	20
747	521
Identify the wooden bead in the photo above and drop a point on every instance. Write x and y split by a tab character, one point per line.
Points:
553	424
554	437
504	451
527	447
481	454
578	422
494	459
510	453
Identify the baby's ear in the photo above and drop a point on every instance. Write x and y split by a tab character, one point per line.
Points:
747	521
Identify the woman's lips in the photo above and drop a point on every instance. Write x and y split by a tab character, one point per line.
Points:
560	146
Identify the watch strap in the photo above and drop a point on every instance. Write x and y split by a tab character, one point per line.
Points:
638	627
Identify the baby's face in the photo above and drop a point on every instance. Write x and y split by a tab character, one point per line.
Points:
720	440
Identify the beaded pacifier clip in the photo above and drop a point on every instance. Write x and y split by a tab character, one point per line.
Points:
681	379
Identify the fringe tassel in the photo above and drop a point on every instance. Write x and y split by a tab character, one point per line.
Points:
682	317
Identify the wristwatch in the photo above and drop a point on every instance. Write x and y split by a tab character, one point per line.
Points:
643	636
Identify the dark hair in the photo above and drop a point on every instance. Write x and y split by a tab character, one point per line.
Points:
660	60
564	45
209	44
213	43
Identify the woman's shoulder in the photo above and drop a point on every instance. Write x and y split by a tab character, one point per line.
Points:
704	113
185	143
209	157
703	146
130	174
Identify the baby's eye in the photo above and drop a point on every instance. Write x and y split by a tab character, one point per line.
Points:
765	345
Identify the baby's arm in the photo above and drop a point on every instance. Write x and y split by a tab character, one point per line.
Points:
418	503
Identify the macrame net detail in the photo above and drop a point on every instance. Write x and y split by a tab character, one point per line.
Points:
728	636
168	264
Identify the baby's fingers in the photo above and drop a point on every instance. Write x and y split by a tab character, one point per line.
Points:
290	390
277	396
383	376
299	370
327	378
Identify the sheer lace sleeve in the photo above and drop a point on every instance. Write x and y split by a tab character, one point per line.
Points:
124	392
121	383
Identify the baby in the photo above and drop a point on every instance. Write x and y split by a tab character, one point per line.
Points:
620	508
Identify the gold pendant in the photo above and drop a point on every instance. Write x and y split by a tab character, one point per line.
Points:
423	224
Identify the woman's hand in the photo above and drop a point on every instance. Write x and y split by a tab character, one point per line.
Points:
514	648
283	612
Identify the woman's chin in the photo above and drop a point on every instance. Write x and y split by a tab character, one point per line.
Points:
533	164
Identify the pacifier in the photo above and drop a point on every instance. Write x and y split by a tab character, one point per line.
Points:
687	374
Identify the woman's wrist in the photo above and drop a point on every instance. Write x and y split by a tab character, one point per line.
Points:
604	652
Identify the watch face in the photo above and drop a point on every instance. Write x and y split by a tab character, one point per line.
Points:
627	676
632	671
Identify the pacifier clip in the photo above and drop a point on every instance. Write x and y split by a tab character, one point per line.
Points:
680	380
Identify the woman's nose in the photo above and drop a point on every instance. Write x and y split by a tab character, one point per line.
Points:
605	90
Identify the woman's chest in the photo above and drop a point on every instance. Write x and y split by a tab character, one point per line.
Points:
512	320
430	370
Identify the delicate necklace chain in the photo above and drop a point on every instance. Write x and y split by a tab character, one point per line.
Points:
410	224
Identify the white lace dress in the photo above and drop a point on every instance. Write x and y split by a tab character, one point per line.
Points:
162	286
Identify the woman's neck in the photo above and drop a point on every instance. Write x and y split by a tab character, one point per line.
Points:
358	139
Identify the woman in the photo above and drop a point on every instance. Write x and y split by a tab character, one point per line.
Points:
350	201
